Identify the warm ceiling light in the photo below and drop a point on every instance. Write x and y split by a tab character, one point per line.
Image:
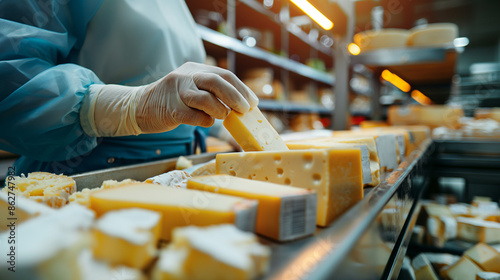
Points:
395	80
420	97
313	13
353	49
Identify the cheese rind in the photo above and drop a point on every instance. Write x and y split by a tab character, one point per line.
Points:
179	207
284	213
335	174
253	132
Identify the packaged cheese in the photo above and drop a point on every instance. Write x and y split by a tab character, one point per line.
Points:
486	257
178	207
51	189
25	209
216	252
284	213
127	237
335	174
253	132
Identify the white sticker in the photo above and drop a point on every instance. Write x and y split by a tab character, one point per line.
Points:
365	164
386	149
245	218
297	216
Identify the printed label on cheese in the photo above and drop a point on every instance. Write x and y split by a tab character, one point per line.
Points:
400	138
387	153
365	164
298	216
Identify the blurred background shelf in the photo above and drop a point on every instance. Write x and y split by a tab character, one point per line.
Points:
276	106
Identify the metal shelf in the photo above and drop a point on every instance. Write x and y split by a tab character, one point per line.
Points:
401	56
271	105
237	46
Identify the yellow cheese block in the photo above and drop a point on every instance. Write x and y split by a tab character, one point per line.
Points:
384	38
404	137
371	169
477	230
462	269
23	209
419	133
487	113
83	197
216	252
335	174
423	268
179	207
435	34
253	132
432	116
127	237
284	213
485	256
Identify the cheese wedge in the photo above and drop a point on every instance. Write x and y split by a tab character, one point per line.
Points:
477	230
127	237
24	209
178	207
486	257
487	276
284	213
253	132
462	269
423	268
83	197
335	174
223	251
47	246
371	169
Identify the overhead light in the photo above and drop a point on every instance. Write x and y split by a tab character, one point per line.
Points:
395	80
313	13
353	49
460	42
420	97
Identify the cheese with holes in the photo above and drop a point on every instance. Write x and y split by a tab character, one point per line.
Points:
178	207
423	268
486	257
462	269
335	174
25	209
477	230
284	213
487	276
216	252
253	132
47	246
371	168
127	237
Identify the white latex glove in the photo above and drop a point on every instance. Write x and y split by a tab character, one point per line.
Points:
192	94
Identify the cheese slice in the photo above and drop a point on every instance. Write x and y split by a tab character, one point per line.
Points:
486	257
25	209
423	268
477	230
223	251
371	169
335	174
284	213
253	132
179	207
462	269
127	237
487	276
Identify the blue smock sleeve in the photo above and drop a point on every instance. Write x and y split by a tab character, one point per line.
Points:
41	91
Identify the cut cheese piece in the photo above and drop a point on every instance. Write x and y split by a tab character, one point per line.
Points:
423	268
441	260
335	174
487	113
462	269
486	257
83	197
174	179
202	169
25	209
284	213
370	177
432	116
487	276
384	38
223	251
253	132
441	229
127	237
477	230
404	139
183	163
179	207
434	34
49	245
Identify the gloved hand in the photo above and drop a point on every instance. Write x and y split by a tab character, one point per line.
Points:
192	94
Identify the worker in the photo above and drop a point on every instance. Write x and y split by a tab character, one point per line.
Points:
95	84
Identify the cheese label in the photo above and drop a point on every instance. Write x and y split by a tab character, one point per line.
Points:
365	164
298	216
400	138
386	150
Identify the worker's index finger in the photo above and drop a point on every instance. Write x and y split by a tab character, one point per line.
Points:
231	78
225	91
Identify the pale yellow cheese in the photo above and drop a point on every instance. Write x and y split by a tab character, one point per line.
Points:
462	269
83	197
253	132
423	268
335	174
477	230
216	252
127	237
432	116
284	213
384	38
179	207
486	257
487	113
435	34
